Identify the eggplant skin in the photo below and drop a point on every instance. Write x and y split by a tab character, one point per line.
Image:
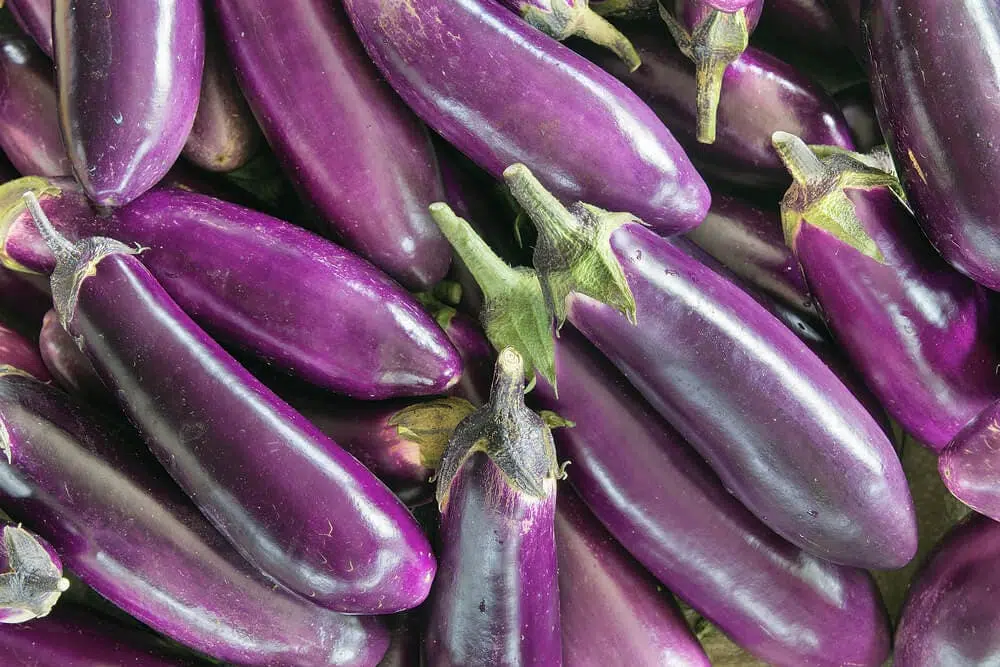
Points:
970	465
35	18
21	354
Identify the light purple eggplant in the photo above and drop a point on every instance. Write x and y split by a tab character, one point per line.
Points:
496	598
712	34
761	95
611	610
29	115
31	580
303	304
35	18
331	532
18	352
587	135
126	107
781	430
343	137
127	531
970	466
950	617
67	364
856	104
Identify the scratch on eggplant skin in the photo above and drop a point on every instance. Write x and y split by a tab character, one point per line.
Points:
5	443
916	165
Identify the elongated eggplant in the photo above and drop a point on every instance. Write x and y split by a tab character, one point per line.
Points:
586	134
712	34
933	364
123	527
69	367
950	617
31	578
611	610
942	131
496	599
125	108
331	532
761	95
970	466
780	429
35	18
19	353
29	115
348	143
856	104
301	303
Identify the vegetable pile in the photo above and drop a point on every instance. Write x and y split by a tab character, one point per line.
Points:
474	333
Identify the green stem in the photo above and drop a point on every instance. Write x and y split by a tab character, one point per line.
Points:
64	250
803	165
549	215
598	30
484	264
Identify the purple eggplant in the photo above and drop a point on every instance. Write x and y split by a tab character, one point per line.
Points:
802	25
932	100
496	598
712	34
855	103
128	75
970	466
586	134
474	349
349	144
35	18
29	115
778	426
225	135
762	95
229	441
69	367
611	610
303	304
933	364
31	578
950	617
119	523
19	353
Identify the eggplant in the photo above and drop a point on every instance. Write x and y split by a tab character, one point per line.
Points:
31	578
934	364
612	611
224	135
17	352
354	151
803	26
66	363
29	115
781	430
950	617
856	104
496	598
970	465
932	101
473	348
23	301
761	95
404	646
125	109
300	303
229	441
587	135
712	34
90	489
35	18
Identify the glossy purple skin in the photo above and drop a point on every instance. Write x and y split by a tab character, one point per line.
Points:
784	434
352	148
305	305
496	599
125	110
660	500
224	135
856	104
477	355
122	526
692	12
932	105
29	115
760	95
69	367
20	353
950	617
331	532
585	135
35	18
933	364
970	466
611	610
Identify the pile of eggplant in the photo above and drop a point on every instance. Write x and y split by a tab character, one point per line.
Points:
474	333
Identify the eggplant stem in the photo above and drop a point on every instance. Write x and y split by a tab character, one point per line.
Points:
594	27
62	248
507	388
549	215
799	160
484	264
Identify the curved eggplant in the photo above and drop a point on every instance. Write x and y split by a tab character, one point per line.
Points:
588	135
856	104
31	578
29	115
128	75
19	353
117	521
229	441
304	305
35	18
939	123
970	466
69	367
348	143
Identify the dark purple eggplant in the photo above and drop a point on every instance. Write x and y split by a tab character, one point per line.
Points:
847	14
31	578
933	100
303	304
19	353
970	466
496	598
229	441
405	643
802	25
587	135
121	525
35	18
24	300
856	104
69	367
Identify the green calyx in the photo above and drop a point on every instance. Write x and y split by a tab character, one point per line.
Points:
626	9
430	424
33	583
712	46
576	19
12	206
817	196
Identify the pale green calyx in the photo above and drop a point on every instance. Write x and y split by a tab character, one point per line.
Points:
565	19
33	582
573	252
430	424
12	205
